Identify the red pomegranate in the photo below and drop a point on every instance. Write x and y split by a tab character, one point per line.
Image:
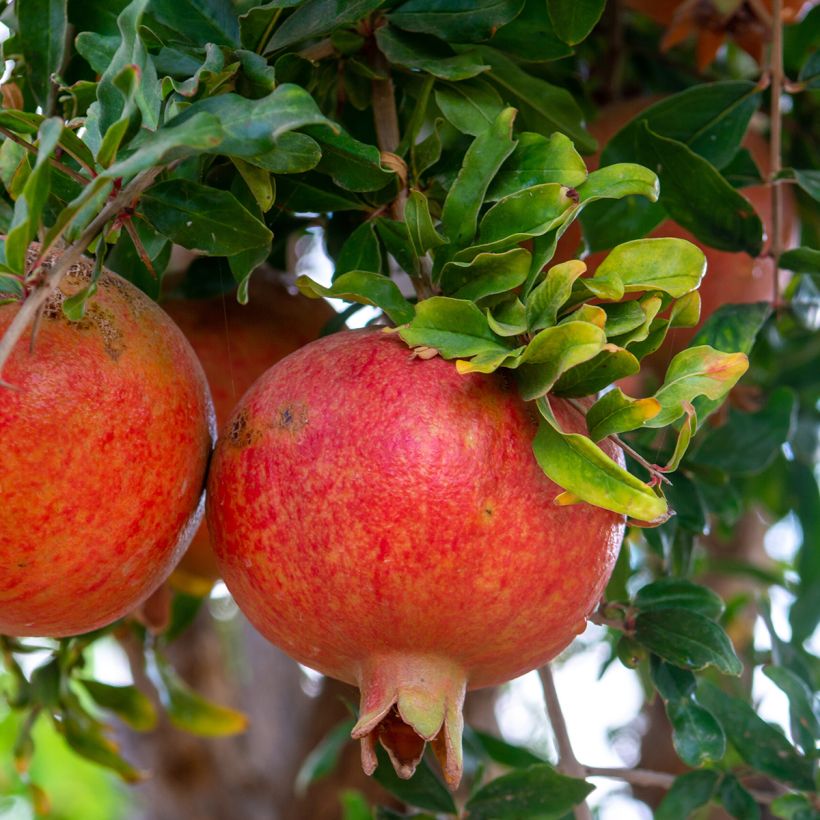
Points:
383	519
105	440
236	344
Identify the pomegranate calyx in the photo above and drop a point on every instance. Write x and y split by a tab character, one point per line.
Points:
408	701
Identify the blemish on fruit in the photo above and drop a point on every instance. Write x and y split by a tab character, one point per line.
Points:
292	417
240	433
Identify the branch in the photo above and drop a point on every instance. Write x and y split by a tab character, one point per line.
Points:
567	762
67	258
63	169
775	143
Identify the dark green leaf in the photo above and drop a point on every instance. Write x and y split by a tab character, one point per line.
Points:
323	758
530	36
316	18
453	20
424	789
678	593
361	251
427	54
794	807
537	791
42	33
697	736
515	757
574	19
698	198
809	181
758	743
687	639
351	164
201	21
395	237
487	274
97	49
801	260
736	800
606	368
673	683
803	707
202	218
689	792
470	107
293	153
420	226
127	702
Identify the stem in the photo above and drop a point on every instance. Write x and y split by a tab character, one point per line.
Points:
775	142
64	169
567	762
69	257
386	121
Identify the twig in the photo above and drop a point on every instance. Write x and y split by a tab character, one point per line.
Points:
567	762
48	284
775	142
386	121
318	51
64	169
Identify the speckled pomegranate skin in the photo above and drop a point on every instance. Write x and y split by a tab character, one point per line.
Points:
103	449
235	345
365	503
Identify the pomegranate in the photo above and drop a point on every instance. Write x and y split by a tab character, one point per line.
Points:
382	519
236	344
105	434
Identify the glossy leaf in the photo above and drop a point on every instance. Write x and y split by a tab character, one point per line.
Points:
427	54
293	153
737	801
809	181
538	160
622	317
487	274
579	466
699	199
481	162
42	32
618	181
801	260
689	792
673	683
804	710
697	371
127	702
470	107
202	21
679	593
455	21
498	750
352	165
361	251
424	789
616	412
202	218
315	18
697	736
548	298
423	233
756	741
607	367
537	791
673	266
688	639
573	20
455	328
531	36
366	288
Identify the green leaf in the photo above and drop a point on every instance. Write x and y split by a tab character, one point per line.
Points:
748	442
623	317
508	318
699	199
29	206
522	215
498	750
395	237
355	805
552	352
365	288
688	428
127	702
803	708
323	758
689	792
733	328
697	371
678	593
361	251
531	36
688	639
673	266
538	160
424	789
127	82
672	682
737	801
481	162
293	153
188	710
548	298
615	412
544	107
711	118
809	181
423	234
470	107
316	18
537	791
574	19
201	21
252	127
455	328
487	274
618	181
793	807
455	21
697	736
202	218
801	260
352	165
41	28
580	467
610	365
259	183
427	54
757	742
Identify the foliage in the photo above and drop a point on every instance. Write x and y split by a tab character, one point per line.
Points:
438	147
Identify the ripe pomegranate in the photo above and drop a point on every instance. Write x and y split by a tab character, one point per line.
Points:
105	439
383	519
236	344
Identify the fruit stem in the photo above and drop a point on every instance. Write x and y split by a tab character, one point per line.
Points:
775	142
567	762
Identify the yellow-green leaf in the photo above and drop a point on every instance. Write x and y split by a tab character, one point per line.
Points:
615	412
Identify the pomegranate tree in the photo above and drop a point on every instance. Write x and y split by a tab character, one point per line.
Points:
106	428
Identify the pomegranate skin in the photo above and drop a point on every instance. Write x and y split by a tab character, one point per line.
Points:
235	345
382	519
105	441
